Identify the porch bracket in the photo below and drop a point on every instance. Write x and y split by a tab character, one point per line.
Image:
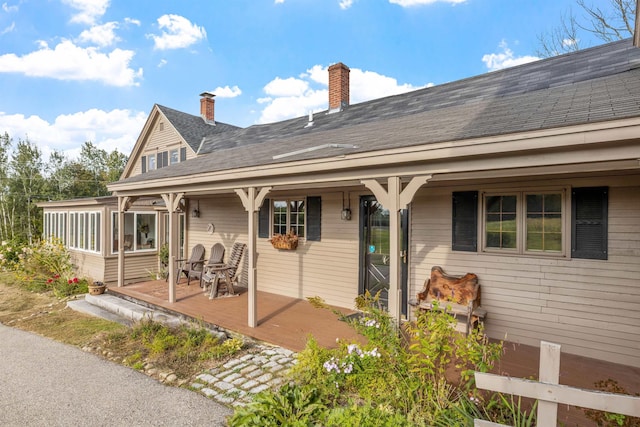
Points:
173	207
252	201
406	196
126	202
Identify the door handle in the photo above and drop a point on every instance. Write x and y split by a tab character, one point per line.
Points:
403	256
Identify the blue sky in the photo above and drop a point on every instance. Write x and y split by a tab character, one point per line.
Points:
91	70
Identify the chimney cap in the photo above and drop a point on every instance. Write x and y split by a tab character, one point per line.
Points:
207	94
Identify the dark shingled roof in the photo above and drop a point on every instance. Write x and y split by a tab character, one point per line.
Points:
193	128
591	85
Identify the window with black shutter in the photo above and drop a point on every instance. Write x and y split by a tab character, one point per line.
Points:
465	221
183	154
144	164
589	222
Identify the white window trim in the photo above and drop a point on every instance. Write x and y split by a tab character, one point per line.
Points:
73	239
114	216
521	237
288	216
155	162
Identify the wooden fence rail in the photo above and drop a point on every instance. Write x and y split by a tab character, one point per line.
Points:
549	393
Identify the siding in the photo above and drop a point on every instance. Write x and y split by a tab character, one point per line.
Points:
88	264
137	267
327	268
158	141
591	307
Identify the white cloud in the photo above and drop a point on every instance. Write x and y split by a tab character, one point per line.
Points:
180	33
8	29
409	3
162	63
132	21
505	59
227	92
8	8
295	97
70	62
88	10
109	130
102	35
279	1
569	42
345	4
286	87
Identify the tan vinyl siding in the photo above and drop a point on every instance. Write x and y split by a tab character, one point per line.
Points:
592	307
160	140
88	264
326	268
138	267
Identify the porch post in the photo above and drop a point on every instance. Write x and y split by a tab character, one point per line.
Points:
121	202
252	203
172	200
394	199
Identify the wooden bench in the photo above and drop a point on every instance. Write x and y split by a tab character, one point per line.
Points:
458	295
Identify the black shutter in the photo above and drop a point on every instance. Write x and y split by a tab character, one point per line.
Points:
263	219
314	217
183	154
144	164
589	222
465	221
159	163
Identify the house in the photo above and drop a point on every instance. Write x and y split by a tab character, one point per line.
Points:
528	177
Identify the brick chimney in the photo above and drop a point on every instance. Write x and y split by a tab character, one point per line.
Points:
207	107
338	87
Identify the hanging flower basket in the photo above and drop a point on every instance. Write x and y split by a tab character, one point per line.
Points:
287	241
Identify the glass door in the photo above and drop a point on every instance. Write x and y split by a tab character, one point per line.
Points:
374	251
374	239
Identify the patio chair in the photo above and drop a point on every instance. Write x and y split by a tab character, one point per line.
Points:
191	267
224	276
215	259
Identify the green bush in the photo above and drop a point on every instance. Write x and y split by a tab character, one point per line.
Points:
420	375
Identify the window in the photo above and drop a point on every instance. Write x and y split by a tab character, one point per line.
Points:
55	227
151	158
288	215
140	231
303	216
174	156
84	231
533	222
524	222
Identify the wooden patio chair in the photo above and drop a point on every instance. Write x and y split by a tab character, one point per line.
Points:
224	276
215	259
191	267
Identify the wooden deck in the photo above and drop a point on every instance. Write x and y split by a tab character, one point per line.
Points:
288	322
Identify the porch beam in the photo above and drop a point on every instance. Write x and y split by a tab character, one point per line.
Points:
252	200
394	199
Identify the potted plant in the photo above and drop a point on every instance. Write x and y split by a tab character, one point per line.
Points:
97	288
287	241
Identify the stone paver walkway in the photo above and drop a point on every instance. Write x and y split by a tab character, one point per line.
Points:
238	380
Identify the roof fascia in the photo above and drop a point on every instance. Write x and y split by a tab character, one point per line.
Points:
561	140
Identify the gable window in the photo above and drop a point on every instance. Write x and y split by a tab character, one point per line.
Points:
174	156
140	232
151	159
304	216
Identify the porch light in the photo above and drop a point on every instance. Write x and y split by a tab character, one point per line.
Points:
195	213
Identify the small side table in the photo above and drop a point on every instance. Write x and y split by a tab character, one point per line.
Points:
214	275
